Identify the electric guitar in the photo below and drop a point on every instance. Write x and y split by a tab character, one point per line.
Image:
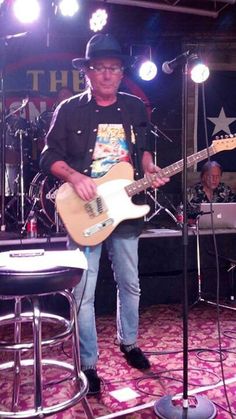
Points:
91	222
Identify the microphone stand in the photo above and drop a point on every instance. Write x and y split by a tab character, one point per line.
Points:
164	407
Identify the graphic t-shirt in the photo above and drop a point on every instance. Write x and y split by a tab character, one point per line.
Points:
111	146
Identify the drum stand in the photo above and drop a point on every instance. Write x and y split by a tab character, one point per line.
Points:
3	53
21	198
57	223
153	195
158	207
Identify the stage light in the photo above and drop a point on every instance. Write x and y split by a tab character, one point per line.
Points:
199	73
68	7
98	20
147	70
143	63
26	11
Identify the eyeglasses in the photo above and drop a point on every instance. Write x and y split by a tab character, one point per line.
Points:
100	69
213	177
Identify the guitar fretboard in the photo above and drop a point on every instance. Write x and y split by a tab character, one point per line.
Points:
168	171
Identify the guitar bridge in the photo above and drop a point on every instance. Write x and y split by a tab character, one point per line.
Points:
95	207
98	227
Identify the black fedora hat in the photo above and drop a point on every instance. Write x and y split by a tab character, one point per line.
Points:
102	46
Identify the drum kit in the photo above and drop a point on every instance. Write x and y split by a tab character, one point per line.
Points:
26	188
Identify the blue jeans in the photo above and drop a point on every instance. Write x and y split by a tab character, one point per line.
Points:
123	253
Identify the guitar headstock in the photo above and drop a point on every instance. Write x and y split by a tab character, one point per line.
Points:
227	142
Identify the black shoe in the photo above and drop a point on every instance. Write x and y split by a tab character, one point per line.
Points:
94	381
136	358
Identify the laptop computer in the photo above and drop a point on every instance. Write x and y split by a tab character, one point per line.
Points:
224	215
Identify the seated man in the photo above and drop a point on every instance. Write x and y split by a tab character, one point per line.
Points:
209	189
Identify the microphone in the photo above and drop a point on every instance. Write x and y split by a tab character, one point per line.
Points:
169	66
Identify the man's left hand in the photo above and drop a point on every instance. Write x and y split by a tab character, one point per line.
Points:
158	180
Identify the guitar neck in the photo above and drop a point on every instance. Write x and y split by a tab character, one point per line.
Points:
168	171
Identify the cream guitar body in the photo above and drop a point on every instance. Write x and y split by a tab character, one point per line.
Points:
90	223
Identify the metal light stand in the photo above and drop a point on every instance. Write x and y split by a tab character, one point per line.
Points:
164	407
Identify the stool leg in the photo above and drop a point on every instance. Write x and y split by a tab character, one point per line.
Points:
76	351
37	337
17	356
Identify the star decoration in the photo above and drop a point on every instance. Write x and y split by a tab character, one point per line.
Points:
222	123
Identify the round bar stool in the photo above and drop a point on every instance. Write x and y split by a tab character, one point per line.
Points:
26	277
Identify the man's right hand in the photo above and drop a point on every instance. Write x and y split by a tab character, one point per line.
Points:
84	186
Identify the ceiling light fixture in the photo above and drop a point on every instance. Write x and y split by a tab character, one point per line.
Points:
68	7
98	20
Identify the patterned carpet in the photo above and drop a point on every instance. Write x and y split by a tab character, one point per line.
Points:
161	332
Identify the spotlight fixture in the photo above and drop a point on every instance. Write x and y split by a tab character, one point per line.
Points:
26	11
199	72
144	64
68	7
147	70
98	20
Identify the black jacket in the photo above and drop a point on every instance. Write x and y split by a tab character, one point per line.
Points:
73	131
